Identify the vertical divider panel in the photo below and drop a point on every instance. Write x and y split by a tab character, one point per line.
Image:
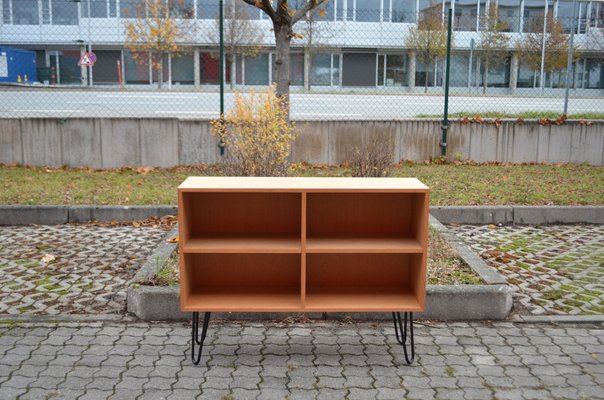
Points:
303	251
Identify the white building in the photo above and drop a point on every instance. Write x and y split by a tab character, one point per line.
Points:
360	44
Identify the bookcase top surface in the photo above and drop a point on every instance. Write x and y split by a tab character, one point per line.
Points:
297	184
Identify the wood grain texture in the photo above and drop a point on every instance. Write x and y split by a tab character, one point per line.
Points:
303	244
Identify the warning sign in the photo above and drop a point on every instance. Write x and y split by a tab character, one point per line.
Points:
86	60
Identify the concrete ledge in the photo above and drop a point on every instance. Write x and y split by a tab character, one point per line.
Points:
34	215
522	215
478	215
533	215
537	215
157	258
82	214
445	303
488	274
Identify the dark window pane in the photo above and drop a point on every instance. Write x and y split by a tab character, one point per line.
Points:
64	12
256	70
320	69
368	10
25	12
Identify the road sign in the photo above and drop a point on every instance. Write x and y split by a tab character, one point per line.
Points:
92	57
86	61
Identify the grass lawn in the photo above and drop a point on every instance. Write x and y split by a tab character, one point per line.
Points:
451	184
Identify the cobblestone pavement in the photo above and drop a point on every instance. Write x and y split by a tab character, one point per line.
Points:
552	270
303	361
70	268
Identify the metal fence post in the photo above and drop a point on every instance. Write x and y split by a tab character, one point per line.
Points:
443	143
569	62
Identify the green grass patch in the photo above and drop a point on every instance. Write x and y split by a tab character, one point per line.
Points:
523	115
451	184
553	294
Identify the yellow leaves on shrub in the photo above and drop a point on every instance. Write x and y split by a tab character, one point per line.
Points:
257	135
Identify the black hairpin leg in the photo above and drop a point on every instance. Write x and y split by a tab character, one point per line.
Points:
404	332
195	335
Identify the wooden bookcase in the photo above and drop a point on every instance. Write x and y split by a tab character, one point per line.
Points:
303	244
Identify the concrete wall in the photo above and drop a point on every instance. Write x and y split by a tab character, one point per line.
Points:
116	142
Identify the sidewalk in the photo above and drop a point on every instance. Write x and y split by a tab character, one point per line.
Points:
318	360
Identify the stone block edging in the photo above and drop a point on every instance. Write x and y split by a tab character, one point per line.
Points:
514	214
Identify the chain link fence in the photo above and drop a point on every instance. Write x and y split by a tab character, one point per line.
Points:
349	59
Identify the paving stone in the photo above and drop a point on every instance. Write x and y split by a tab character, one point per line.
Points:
167	373
553	269
90	272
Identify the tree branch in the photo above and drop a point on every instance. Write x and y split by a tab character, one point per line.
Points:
309	5
265	5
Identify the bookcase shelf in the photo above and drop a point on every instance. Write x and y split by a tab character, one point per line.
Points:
243	243
303	244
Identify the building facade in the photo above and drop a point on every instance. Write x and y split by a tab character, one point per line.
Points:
356	45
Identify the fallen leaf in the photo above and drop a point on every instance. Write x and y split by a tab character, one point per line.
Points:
48	258
173	240
492	226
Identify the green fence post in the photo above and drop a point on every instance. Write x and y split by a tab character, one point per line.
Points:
443	143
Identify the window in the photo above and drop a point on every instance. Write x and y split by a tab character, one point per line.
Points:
394	72
128	8
46	12
113	8
256	70
368	10
25	12
238	10
136	70
6	14
430	9
466	14
64	12
533	12
527	78
182	8
98	8
509	12
296	69
402	11
320	69
207	9
594	73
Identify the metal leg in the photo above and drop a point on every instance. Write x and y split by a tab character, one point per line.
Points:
195	335
405	331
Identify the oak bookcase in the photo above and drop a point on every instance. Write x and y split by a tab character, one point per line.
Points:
302	245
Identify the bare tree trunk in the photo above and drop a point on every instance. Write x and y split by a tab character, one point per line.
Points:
427	78
281	72
160	77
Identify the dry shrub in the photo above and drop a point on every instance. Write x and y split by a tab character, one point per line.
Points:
257	135
374	159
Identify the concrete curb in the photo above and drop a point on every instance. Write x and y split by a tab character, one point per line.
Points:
527	215
492	301
57	215
530	215
157	258
443	303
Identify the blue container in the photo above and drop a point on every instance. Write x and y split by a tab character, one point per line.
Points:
15	63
